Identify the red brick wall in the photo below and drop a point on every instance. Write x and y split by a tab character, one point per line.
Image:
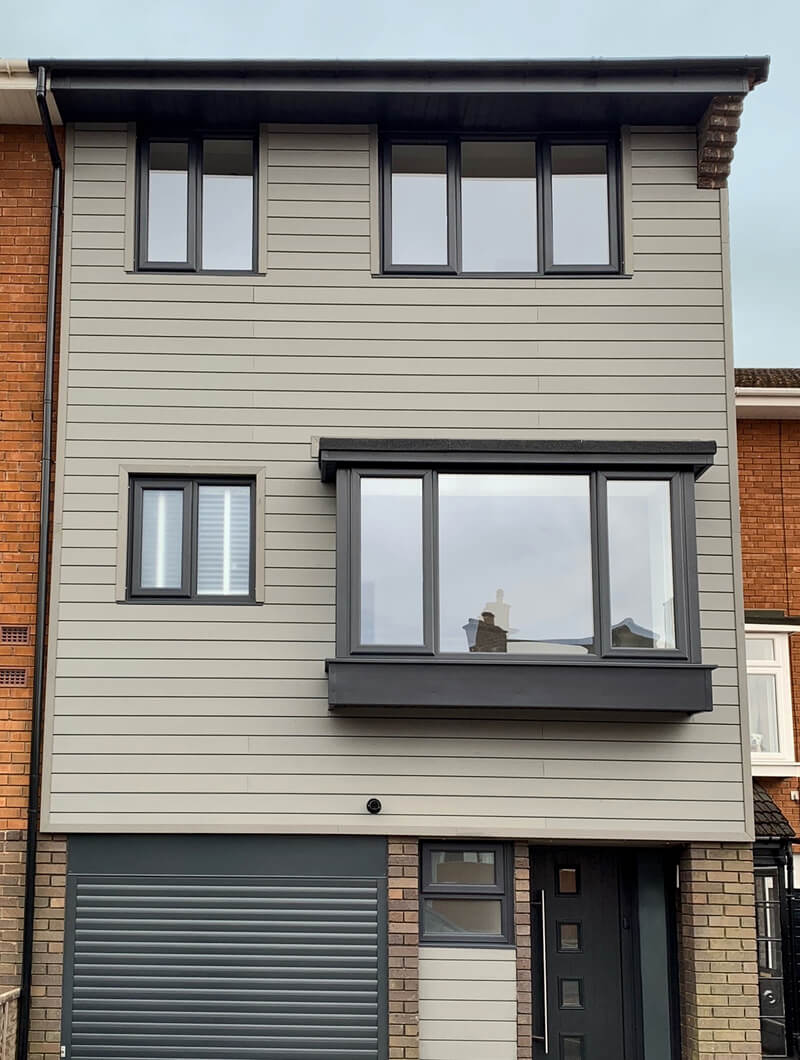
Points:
25	181
769	484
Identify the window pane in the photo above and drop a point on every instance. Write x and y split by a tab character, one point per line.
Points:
391	561
419	204
162	538
462	916
498	207
515	564
472	868
569	937
572	1047
760	649
570	993
640	564
227	204
762	694
168	202
580	204
567	881
223	540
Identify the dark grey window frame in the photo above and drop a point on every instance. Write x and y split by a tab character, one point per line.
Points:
194	141
544	212
502	890
187	592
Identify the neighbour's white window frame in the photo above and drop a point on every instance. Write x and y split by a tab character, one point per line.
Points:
766	763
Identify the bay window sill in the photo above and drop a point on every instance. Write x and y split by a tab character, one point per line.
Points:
649	685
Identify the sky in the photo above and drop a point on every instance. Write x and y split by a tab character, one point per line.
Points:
765	218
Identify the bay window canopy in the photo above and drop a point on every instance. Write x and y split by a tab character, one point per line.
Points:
538	574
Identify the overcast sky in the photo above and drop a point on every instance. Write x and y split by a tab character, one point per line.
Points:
765	217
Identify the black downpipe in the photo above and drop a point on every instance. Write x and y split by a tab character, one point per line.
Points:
35	776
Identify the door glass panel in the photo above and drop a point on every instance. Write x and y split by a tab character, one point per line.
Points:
569	937
498	207
227	204
419	204
770	963
763	697
640	564
570	993
760	649
580	204
465	868
168	202
567	881
223	540
515	564
462	916
391	561
572	1047
162	538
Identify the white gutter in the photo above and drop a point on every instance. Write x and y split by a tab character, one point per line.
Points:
767	402
18	95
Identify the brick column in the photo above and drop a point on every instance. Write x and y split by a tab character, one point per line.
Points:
717	954
403	949
522	934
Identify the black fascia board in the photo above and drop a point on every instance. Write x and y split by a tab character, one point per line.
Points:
515	453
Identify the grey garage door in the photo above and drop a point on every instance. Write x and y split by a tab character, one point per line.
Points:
225	967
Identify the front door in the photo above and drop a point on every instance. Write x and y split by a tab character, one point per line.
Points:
582	945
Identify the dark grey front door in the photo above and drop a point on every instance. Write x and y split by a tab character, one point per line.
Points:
581	941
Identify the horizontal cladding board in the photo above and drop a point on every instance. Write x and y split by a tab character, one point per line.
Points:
185	716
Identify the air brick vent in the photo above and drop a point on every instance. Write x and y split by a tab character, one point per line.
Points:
13	676
15	634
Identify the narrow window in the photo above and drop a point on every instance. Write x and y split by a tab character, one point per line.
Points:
464	893
419	204
191	539
197	204
770	962
498	206
640	564
579	189
769	694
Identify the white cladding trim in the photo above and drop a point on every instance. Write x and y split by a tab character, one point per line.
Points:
167	717
467	1003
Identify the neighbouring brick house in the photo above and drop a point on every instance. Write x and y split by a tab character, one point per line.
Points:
25	182
768	430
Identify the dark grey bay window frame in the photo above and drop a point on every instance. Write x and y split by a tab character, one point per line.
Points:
499	891
544	202
194	142
608	677
187	591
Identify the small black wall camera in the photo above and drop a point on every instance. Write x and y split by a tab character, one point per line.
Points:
374	806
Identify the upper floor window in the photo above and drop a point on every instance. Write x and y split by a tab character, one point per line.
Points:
470	205
197	204
769	692
191	538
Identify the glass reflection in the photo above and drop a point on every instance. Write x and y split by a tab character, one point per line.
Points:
162	538
763	699
462	916
466	868
640	564
515	564
760	649
580	204
419	204
168	202
223	540
498	207
391	561
227	204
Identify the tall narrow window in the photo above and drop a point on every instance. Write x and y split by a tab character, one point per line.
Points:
498	206
579	189
197	204
770	962
419	204
640	564
769	693
391	586
191	539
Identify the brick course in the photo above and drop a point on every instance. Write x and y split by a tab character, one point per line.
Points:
522	937
403	903
717	954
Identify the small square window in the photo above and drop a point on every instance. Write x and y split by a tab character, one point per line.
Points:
197	204
570	993
569	937
568	880
465	893
191	539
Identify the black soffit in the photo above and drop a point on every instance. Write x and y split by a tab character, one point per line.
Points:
505	95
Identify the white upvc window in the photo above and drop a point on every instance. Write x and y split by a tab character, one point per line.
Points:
769	693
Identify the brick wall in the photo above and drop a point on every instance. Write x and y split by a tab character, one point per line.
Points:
403	887
522	937
769	483
717	954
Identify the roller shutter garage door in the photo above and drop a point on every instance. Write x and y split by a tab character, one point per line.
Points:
231	963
